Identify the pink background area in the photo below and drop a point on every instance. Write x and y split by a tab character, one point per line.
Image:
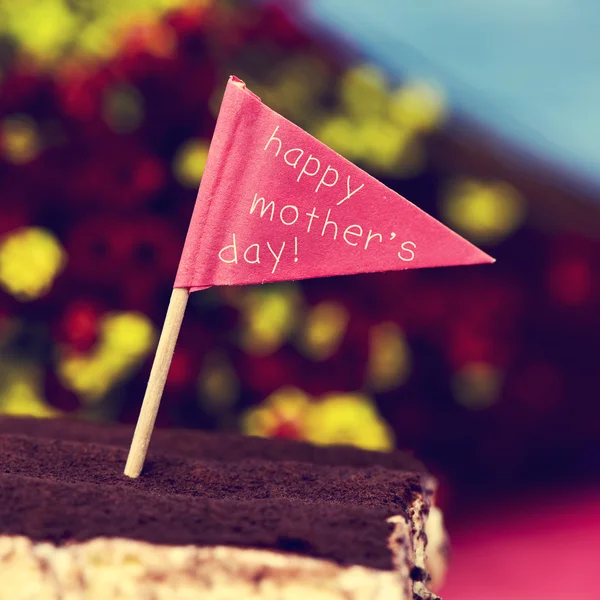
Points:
544	548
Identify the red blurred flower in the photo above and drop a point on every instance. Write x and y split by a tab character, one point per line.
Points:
79	325
182	371
570	281
116	173
79	91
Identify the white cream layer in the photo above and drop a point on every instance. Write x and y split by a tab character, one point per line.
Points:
120	569
123	569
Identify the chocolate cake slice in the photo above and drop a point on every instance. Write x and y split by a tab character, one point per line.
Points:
212	516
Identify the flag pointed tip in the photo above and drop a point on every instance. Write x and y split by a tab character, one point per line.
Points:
487	259
237	81
471	254
481	258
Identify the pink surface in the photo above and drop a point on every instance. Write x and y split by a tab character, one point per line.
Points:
546	550
276	204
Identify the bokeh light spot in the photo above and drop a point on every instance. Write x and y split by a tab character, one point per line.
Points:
363	91
19	139
125	340
130	334
570	281
218	384
21	397
90	29
282	414
390	359
21	391
477	386
340	133
30	260
54	24
323	330
488	212
190	161
418	105
269	317
123	108
350	419
390	148
337	418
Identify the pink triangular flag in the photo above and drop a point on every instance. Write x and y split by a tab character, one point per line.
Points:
276	204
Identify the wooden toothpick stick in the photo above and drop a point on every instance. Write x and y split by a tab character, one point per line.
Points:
156	382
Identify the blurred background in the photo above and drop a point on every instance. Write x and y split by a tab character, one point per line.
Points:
483	114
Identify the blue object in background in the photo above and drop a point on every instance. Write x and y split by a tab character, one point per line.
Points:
527	69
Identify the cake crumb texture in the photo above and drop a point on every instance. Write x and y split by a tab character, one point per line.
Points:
129	570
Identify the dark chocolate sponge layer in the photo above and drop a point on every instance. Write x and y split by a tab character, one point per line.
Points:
201	445
62	481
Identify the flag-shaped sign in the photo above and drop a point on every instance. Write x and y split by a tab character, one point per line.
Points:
276	204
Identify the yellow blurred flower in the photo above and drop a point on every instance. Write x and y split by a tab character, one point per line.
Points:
89	29
363	91
389	357
19	139
87	376
340	134
125	340
190	161
30	260
487	212
269	316
418	105
391	148
323	330
20	396
130	335
350	419
381	128
54	22
282	414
